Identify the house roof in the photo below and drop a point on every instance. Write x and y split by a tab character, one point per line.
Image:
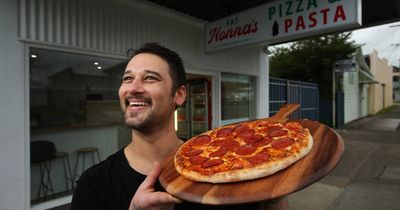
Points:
364	73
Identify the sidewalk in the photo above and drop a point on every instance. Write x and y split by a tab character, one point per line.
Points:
368	175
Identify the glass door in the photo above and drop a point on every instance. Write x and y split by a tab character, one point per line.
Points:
183	129
198	107
193	117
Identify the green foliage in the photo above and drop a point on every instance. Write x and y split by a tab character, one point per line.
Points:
312	60
389	109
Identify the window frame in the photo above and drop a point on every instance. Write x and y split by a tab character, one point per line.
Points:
27	131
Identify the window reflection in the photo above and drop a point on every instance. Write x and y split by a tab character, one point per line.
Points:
75	116
238	102
70	88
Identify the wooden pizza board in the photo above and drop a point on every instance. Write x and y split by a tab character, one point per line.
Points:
325	154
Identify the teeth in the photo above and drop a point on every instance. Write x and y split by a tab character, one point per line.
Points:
137	103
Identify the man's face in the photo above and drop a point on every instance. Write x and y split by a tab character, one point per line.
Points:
145	93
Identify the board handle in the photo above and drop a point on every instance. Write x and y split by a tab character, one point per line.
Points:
284	112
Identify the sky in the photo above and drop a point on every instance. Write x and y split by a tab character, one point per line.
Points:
384	38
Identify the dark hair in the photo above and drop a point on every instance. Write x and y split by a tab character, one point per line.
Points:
177	71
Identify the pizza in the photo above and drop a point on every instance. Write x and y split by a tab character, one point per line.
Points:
243	151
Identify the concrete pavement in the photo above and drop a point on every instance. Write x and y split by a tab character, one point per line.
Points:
368	175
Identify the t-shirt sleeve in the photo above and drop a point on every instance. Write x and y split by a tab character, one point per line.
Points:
84	197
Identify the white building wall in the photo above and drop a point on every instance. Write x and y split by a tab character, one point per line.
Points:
115	26
364	100
351	96
14	173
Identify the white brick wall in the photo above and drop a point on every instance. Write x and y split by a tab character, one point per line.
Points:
351	96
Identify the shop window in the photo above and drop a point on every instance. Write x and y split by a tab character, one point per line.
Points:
70	89
237	97
74	109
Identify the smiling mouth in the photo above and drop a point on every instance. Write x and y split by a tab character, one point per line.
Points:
137	101
136	104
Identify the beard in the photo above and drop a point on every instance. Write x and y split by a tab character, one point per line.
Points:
136	122
149	120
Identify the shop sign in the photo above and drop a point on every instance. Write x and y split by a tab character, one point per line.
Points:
282	20
347	65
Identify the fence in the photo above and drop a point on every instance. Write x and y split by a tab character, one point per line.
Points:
282	91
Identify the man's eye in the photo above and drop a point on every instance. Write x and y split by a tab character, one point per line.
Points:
151	78
127	78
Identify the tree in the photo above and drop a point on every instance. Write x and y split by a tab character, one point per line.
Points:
312	60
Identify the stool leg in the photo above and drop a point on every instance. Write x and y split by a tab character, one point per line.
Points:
65	173
41	171
93	158
49	184
76	168
70	179
83	163
98	155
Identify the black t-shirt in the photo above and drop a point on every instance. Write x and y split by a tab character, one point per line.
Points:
111	184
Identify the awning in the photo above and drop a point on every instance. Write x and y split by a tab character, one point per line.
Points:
365	77
364	74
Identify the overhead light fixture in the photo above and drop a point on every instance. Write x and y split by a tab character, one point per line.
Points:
96	63
99	67
33	56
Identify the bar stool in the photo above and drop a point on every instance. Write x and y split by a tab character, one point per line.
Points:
82	152
67	170
42	152
46	184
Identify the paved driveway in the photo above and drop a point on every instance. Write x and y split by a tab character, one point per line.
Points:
368	175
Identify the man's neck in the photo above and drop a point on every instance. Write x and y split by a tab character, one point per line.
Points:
146	148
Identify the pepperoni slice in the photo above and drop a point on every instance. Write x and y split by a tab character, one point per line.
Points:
246	133
197	160
231	145
272	128
245	149
263	142
241	127
211	162
253	138
293	126
218	143
277	133
192	152
282	143
221	151
201	140
258	158
260	123
224	132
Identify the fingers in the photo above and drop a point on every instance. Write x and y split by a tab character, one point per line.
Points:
147	198
155	200
151	179
164	198
149	182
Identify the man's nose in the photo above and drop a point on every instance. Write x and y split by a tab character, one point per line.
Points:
136	86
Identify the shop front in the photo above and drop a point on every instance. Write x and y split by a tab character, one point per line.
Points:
71	56
61	69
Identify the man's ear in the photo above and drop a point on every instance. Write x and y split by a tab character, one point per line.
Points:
180	95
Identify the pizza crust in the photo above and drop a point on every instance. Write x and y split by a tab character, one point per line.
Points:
248	173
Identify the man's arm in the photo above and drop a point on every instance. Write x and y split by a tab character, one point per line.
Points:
147	198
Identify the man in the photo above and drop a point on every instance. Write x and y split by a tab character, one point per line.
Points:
153	85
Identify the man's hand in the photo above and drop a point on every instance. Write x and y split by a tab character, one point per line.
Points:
147	198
